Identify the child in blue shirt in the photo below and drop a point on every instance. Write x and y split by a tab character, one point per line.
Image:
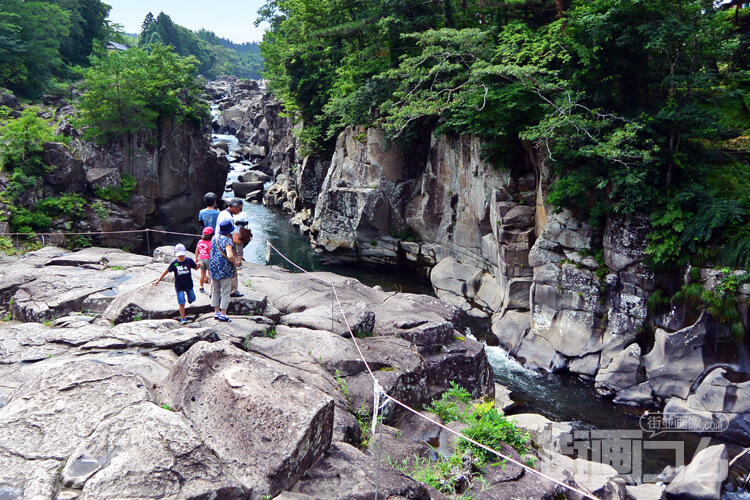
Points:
183	278
208	215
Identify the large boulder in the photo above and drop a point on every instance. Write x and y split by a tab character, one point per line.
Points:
256	416
68	175
399	370
676	360
357	318
702	478
717	404
624	371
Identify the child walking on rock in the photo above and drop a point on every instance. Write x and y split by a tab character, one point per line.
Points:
203	252
183	278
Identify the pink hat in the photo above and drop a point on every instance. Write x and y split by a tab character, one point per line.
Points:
208	230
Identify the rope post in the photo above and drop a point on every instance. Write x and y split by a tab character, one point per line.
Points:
332	307
377	410
148	241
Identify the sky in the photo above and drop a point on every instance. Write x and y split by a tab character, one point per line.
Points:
231	19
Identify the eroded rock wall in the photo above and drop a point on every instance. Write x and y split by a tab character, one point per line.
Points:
173	166
554	291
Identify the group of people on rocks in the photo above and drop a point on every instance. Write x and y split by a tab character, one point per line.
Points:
219	253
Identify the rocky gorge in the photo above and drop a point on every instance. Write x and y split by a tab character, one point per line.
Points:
171	167
103	394
557	293
98	340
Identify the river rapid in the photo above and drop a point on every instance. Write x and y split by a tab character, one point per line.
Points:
559	398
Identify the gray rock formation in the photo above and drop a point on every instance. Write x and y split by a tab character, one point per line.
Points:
717	404
265	425
171	176
112	386
702	478
145	451
344	472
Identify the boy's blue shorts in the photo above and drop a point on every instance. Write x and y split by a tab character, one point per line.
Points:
181	296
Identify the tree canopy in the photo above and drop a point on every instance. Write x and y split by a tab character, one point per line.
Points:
128	91
638	106
216	56
41	40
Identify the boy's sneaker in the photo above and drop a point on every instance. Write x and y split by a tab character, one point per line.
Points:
183	321
223	317
217	314
236	294
201	290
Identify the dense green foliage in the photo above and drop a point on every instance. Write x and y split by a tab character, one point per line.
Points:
41	41
130	90
118	194
485	425
21	154
216	56
639	106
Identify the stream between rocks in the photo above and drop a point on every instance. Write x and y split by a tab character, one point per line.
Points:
559	398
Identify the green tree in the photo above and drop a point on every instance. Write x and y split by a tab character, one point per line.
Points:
34	31
126	92
88	22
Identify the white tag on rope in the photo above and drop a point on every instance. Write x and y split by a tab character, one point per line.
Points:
376	392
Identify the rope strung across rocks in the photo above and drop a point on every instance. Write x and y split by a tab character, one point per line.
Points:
378	390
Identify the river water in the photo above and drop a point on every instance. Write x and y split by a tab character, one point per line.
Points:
559	398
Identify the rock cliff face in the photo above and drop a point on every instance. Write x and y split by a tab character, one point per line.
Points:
553	291
173	166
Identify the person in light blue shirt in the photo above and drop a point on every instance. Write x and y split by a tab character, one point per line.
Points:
210	214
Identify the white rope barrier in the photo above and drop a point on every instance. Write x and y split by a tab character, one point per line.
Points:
378	390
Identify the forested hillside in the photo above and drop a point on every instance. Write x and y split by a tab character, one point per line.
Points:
46	44
43	42
637	106
216	55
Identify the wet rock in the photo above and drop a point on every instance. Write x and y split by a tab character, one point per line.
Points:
702	478
146	451
265	426
242	189
503	401
676	360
